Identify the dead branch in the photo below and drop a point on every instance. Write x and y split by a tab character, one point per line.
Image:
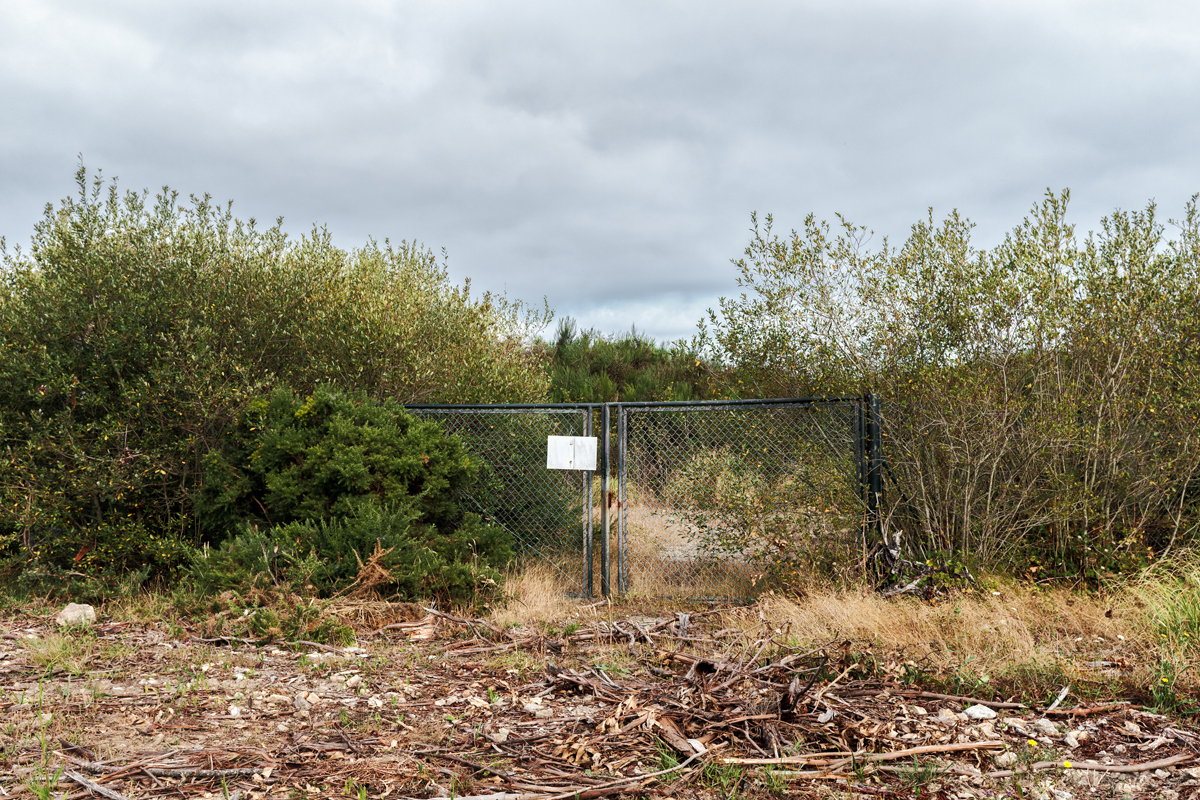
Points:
1097	767
102	769
912	751
955	698
1086	711
93	787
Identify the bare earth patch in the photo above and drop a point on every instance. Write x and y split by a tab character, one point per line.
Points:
603	701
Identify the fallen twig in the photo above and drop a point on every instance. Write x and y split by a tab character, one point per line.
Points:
187	772
1097	767
913	751
1059	699
1085	711
93	787
956	698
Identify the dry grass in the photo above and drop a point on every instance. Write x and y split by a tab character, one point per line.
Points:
69	651
1016	623
665	561
1009	638
535	593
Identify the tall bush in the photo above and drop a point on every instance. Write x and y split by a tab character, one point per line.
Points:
1041	396
134	330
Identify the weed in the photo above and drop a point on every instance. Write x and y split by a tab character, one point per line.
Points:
725	778
40	781
68	651
667	759
920	774
1026	758
859	768
773	782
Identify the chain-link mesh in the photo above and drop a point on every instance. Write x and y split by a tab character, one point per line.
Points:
541	508
714	498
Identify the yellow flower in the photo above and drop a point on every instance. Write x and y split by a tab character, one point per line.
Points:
1033	743
1066	765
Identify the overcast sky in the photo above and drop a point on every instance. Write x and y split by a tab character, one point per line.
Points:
608	155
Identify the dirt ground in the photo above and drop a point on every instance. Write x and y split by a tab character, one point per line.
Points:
617	702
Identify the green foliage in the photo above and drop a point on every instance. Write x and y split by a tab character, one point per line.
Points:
1041	397
134	331
589	368
290	458
319	486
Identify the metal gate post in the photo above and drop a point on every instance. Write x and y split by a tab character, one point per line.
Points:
622	561
604	533
587	515
875	466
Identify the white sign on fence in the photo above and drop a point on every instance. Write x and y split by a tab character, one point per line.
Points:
571	452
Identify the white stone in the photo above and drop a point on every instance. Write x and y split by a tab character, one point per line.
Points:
76	614
1005	759
978	712
1071	741
1046	726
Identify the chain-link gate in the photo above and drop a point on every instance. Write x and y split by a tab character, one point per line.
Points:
542	509
708	493
712	495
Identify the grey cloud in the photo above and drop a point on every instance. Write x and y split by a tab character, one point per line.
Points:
604	155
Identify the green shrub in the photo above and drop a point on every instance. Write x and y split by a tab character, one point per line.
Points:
312	488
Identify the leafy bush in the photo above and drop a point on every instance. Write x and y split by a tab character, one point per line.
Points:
1041	397
134	331
316	487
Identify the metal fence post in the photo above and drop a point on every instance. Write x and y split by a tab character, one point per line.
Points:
587	515
875	465
622	562
605	544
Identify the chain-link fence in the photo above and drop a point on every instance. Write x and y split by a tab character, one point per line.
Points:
712	496
542	509
709	497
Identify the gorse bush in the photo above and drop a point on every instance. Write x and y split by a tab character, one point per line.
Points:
317	487
291	458
133	332
1041	397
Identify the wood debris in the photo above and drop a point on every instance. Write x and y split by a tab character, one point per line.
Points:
428	704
